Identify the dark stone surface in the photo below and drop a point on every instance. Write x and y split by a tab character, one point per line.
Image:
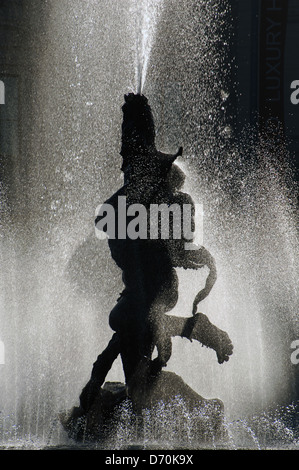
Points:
167	399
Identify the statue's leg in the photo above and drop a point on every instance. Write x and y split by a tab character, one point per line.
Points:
129	319
99	372
201	329
161	337
125	342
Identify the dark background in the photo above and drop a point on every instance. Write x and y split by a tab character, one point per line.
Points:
264	71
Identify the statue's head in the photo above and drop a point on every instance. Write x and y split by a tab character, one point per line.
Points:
138	129
140	156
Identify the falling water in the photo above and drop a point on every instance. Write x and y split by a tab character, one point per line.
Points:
145	13
58	282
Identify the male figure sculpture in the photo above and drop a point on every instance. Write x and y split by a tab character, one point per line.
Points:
140	319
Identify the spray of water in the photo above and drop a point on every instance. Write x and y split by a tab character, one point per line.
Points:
58	283
146	14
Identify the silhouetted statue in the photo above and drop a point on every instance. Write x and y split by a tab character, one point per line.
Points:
140	318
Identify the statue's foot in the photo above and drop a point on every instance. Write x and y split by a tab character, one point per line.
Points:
225	348
212	337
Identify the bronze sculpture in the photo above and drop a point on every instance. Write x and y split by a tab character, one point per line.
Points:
140	319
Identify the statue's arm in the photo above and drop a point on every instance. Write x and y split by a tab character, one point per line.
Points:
197	258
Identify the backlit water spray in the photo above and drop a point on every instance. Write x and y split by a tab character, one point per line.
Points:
58	282
146	14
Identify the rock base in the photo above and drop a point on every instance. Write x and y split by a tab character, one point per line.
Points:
155	410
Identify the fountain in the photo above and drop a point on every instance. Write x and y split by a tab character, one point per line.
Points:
146	15
56	294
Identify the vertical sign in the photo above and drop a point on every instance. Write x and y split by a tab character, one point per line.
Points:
272	33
